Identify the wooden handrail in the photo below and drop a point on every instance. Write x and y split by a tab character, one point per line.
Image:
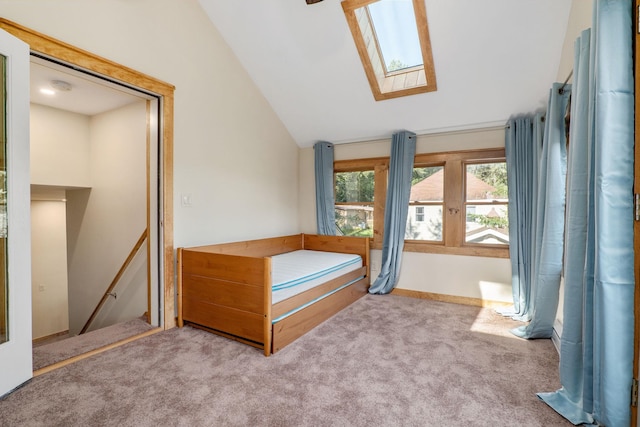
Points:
115	280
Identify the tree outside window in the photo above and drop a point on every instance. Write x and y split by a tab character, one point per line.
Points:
458	202
354	193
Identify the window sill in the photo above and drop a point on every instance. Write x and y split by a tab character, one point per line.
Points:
428	248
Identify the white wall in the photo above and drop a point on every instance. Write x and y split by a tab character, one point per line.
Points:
130	299
463	276
59	157
59	147
49	269
579	20
105	222
232	152
106	152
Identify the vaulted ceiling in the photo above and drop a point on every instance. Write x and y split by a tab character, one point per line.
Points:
493	58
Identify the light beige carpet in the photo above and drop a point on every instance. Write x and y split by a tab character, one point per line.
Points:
383	361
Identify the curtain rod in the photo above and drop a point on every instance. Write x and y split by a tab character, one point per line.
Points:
477	127
561	90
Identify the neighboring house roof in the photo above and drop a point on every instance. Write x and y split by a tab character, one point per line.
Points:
431	188
486	235
493	214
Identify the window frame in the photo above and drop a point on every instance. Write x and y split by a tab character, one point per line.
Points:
392	84
494	202
358	203
380	168
454	213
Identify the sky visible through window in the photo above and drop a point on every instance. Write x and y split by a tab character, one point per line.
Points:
395	25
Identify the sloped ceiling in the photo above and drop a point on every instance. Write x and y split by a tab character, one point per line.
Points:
493	58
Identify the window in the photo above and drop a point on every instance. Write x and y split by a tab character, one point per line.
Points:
486	202
458	203
392	38
354	203
424	220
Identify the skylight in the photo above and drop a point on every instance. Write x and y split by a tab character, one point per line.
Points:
396	32
392	38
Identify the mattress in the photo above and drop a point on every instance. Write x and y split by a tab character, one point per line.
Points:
295	272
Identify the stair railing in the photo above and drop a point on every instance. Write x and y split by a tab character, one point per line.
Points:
114	282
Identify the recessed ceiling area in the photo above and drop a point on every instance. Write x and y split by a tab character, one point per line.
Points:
87	94
76	92
493	58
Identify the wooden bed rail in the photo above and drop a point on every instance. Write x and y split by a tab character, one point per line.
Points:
256	248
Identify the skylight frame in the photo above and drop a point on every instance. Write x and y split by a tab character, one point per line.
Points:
394	84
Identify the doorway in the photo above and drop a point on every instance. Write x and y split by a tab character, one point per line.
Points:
61	53
93	259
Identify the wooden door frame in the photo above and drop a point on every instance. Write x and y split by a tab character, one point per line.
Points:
55	49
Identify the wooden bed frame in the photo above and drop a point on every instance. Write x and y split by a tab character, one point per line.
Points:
226	289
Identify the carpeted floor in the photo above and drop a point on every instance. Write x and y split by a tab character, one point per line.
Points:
384	361
48	354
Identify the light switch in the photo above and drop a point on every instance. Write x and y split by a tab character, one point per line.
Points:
186	200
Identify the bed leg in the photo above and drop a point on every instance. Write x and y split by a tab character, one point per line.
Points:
267	344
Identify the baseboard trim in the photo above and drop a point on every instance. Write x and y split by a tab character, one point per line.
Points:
476	302
47	337
555	339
